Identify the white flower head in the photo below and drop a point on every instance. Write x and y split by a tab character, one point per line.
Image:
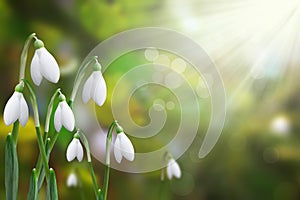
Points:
123	146
72	180
16	107
64	115
43	64
173	169
75	149
95	87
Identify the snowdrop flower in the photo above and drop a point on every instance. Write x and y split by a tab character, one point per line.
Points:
72	180
123	146
173	169
16	107
75	149
63	115
95	87
43	64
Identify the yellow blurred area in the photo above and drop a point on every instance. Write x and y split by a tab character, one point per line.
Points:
26	134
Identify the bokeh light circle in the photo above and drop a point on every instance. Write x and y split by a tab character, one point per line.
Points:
152	40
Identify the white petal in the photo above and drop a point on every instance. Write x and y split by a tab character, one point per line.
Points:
72	180
86	91
12	109
57	118
176	170
79	151
72	150
67	116
99	90
169	170
126	147
35	69
23	111
48	65
173	169
117	150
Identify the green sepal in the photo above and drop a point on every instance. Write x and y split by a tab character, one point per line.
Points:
76	135
33	186
97	66
11	169
19	87
119	129
52	186
38	44
61	97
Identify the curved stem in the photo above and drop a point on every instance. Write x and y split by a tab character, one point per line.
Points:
47	125
88	154
79	77
34	103
107	159
37	127
24	56
49	111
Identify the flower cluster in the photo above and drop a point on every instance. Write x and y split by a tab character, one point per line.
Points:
44	65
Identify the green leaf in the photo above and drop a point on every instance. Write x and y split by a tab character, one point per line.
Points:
52	186
11	169
100	195
33	186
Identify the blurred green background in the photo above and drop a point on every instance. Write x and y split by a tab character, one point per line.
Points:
255	45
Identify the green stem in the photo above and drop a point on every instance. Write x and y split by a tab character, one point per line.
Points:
24	56
37	127
107	159
15	132
47	125
92	172
42	151
34	103
88	153
79	77
49	111
49	147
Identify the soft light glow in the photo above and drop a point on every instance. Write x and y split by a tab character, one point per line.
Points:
280	125
248	39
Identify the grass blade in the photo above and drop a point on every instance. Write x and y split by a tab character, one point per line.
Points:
11	169
52	186
33	187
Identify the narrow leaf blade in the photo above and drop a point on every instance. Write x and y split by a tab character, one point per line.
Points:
33	186
11	169
52	186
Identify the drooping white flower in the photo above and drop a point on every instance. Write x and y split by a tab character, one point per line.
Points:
75	149
64	115
173	169
16	108
123	148
95	87
43	64
72	180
